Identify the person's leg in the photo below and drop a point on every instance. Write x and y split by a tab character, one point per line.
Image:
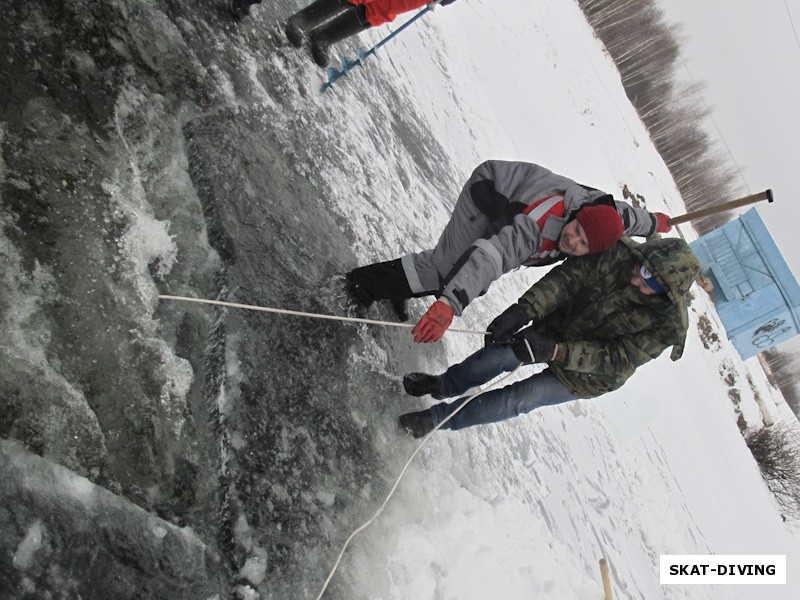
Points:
378	281
427	269
312	15
482	366
381	281
346	24
542	389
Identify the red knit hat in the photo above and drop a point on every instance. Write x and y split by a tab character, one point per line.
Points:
602	225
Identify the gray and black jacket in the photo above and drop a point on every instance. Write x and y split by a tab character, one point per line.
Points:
521	202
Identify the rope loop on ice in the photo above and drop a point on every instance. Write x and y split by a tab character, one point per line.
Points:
424	440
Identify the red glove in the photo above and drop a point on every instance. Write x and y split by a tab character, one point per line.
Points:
662	223
434	323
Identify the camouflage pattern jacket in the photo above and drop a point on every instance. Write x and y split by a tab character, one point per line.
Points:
604	327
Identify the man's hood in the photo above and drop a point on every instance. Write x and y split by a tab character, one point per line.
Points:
675	266
672	262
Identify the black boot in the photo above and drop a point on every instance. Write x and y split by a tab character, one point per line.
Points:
357	294
359	297
382	281
379	281
312	15
418	424
419	384
400	308
350	22
241	8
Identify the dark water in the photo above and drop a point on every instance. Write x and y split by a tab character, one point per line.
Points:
161	148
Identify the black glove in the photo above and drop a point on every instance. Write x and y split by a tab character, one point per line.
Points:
542	347
507	323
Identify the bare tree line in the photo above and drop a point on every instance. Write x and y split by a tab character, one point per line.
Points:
645	49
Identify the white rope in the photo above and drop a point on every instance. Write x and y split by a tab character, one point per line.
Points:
425	439
408	463
306	314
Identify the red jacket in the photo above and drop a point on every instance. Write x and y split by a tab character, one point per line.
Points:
385	11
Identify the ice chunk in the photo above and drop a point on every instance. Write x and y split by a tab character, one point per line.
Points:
23	557
255	569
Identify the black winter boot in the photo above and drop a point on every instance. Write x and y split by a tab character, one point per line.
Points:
418	424
400	308
419	384
379	281
350	22
312	15
358	294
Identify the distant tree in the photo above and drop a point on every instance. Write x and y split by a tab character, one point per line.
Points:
781	365
777	452
782	369
646	49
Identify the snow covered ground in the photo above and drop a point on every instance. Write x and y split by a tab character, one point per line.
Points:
525	509
308	185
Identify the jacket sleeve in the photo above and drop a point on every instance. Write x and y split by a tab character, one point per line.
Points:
558	286
489	258
637	221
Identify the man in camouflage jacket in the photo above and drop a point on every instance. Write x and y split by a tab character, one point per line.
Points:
596	319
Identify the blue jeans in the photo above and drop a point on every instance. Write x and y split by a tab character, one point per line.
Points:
541	389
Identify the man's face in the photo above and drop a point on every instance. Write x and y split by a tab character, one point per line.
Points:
573	240
639	283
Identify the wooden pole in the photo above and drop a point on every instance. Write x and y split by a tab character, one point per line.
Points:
712	210
606	578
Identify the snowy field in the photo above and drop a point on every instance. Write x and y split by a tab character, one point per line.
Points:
306	186
526	509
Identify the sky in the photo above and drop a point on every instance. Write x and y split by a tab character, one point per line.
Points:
748	54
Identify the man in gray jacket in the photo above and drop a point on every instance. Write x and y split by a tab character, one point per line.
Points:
509	214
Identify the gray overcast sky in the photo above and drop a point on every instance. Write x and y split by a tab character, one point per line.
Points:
748	54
